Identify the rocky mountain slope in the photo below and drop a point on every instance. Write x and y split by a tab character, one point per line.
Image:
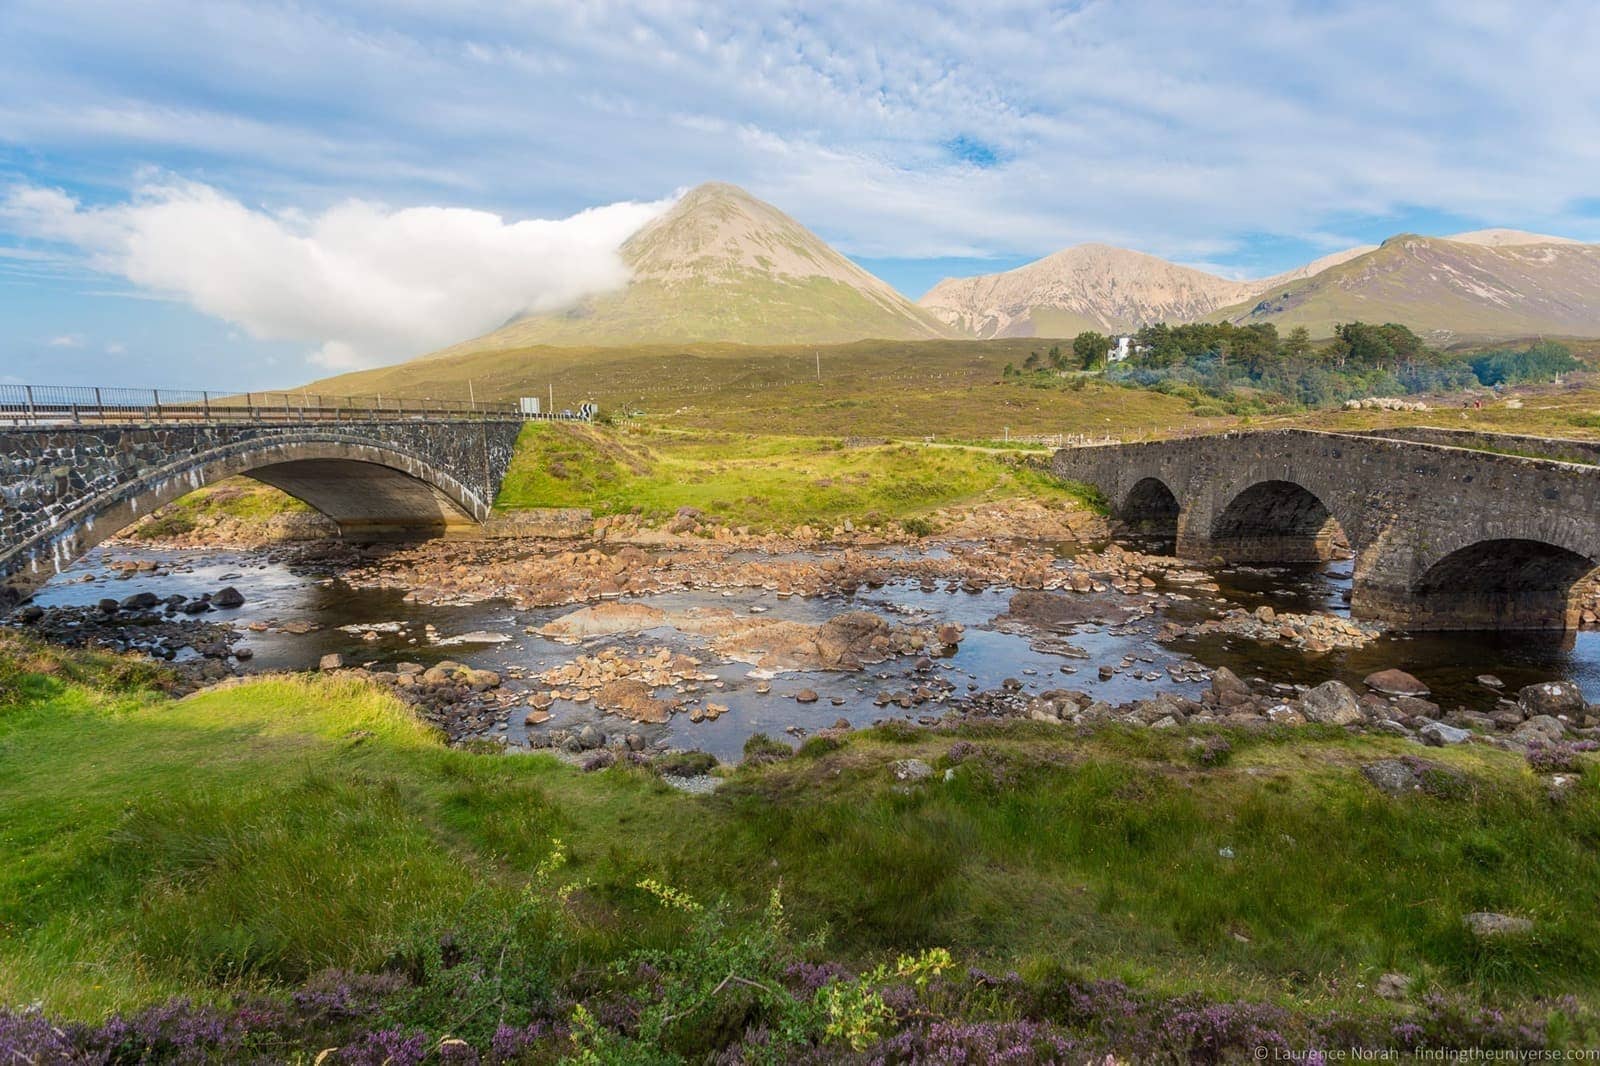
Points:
1091	286
722	265
1483	285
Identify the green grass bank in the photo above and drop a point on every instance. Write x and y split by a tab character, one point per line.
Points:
251	836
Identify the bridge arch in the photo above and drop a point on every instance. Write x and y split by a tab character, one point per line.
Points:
1274	520
1150	507
368	489
1504	583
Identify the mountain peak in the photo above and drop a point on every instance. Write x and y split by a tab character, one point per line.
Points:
722	265
1507	238
1088	286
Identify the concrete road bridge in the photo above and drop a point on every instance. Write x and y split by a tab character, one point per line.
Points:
1449	529
79	465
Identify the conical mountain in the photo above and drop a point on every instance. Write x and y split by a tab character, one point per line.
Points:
721	265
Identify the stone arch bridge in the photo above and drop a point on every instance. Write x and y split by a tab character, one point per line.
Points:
1449	530
66	487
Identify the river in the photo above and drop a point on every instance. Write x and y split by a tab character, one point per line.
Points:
376	626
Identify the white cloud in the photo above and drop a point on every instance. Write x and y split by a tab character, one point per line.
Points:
66	340
116	348
365	283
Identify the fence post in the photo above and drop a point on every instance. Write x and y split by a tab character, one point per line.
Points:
205	401
249	407
156	395
99	408
286	416
29	390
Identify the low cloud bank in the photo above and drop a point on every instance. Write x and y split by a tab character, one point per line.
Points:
365	283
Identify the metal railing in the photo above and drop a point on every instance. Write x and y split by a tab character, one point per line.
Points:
75	405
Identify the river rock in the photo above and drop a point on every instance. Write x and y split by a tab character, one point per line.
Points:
140	601
1540	729
1551	698
1395	683
1227	690
1439	735
228	597
847	641
331	661
603	620
1331	703
806	695
633	700
479	680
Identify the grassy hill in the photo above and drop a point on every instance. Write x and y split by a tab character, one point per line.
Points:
891	388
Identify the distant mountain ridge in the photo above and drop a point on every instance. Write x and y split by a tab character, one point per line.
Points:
1485	283
723	266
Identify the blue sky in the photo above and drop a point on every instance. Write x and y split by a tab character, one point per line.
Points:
250	194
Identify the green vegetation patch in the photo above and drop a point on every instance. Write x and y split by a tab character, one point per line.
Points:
763	482
237	499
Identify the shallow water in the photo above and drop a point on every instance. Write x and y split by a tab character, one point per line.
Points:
277	593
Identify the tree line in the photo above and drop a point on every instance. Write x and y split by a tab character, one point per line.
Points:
1221	361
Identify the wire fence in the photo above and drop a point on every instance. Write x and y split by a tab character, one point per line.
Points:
71	404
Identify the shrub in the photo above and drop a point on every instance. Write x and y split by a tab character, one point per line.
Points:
818	746
1555	758
1210	751
761	749
684	763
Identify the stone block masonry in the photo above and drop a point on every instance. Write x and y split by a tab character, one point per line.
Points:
1443	537
64	489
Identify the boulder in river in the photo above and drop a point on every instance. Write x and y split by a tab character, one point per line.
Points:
228	597
633	700
604	620
1394	682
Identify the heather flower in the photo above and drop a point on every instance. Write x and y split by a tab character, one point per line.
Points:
386	1047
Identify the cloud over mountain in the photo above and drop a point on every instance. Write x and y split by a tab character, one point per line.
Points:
362	282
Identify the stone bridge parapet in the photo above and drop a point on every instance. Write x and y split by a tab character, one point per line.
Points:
1442	537
65	488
